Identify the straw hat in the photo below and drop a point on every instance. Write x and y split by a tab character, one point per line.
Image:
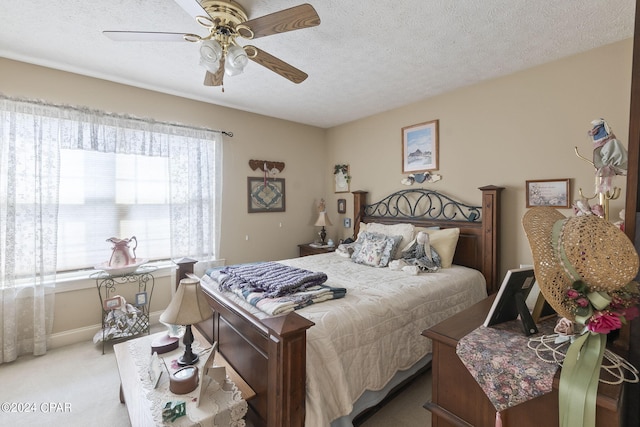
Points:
583	248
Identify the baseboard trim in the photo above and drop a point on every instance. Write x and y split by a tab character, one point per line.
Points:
74	336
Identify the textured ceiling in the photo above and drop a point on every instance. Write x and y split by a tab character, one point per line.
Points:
366	57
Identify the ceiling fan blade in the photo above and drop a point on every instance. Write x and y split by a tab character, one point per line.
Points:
144	36
211	79
192	7
276	65
295	18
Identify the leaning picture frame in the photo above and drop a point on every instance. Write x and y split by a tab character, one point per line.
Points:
210	372
112	303
141	298
548	192
510	301
420	147
265	195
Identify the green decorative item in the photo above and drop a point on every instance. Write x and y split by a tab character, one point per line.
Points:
173	410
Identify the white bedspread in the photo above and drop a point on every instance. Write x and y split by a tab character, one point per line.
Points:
360	341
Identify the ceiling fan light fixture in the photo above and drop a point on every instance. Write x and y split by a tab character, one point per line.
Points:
225	20
211	66
210	51
237	57
230	70
210	54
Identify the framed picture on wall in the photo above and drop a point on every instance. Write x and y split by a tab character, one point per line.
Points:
548	192
265	195
342	206
341	178
420	147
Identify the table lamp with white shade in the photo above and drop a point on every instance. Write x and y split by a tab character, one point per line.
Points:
322	221
187	307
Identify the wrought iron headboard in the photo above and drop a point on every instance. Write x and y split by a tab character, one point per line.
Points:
478	244
422	204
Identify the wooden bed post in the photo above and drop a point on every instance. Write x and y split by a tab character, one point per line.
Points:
287	370
359	202
185	266
491	240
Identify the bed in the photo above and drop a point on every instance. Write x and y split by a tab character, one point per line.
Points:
278	355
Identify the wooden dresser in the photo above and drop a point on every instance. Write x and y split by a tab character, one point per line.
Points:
458	400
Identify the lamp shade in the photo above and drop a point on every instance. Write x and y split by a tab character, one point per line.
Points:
323	219
188	306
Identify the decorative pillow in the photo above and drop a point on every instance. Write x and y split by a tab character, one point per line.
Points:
375	249
444	242
404	230
361	230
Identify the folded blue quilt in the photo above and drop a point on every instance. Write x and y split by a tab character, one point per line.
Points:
291	302
275	288
271	278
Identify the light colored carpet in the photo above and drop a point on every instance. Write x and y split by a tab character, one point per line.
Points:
75	385
78	386
405	409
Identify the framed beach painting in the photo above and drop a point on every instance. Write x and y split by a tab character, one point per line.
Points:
420	147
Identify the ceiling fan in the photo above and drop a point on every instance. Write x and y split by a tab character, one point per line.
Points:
226	21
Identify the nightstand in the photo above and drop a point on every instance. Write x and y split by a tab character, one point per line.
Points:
306	249
457	399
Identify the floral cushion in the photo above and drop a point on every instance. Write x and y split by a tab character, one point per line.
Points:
374	249
406	231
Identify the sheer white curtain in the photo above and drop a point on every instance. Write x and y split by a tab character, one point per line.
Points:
29	170
196	195
31	136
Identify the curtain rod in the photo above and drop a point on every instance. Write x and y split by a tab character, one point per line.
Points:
115	115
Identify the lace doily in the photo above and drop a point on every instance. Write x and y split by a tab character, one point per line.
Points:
220	407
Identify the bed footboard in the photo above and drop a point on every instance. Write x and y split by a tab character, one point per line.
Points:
269	354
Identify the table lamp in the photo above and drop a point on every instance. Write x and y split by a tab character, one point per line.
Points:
187	307
322	220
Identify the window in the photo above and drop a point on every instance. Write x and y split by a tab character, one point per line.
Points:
71	178
105	195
